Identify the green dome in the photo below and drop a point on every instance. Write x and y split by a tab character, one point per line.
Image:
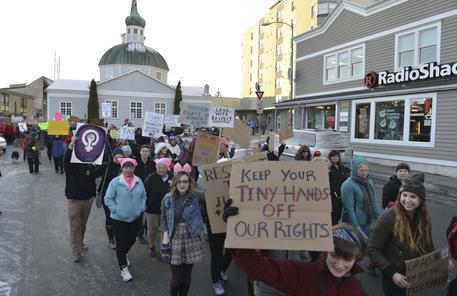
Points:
134	19
133	54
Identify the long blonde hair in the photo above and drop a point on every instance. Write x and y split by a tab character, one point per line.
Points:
174	183
418	239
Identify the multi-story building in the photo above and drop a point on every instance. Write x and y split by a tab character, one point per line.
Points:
385	74
14	104
267	51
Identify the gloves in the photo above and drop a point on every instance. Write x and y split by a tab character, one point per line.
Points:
228	210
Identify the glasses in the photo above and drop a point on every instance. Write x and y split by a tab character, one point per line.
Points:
183	182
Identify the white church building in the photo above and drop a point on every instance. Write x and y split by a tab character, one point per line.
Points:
133	78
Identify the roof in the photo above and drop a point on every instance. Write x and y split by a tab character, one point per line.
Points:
14	93
133	54
134	19
195	91
67	84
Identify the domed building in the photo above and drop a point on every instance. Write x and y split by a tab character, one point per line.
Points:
133	53
133	79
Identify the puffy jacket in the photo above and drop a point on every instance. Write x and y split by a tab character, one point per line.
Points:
57	147
191	214
125	204
390	191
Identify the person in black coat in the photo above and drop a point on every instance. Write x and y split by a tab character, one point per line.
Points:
157	185
338	173
108	172
392	187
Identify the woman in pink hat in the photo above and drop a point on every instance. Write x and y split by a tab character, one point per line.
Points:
126	199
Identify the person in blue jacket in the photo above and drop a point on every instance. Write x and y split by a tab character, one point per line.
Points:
57	153
361	209
126	199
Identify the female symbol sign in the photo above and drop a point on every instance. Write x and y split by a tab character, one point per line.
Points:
90	144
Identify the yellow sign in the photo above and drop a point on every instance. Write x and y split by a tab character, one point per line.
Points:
58	127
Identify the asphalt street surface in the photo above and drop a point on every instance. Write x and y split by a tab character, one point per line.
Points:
35	257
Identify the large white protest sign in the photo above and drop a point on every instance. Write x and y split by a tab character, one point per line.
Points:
153	124
194	114
127	133
22	126
172	121
283	205
221	117
106	110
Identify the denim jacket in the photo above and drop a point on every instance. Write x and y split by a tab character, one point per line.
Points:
191	214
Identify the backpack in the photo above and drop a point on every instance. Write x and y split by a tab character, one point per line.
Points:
452	237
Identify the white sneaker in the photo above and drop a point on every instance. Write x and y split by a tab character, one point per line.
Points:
218	288
128	262
126	275
224	275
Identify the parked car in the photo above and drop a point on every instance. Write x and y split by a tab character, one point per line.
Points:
2	143
320	142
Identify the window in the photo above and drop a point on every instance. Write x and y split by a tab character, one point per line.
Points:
278	66
114	108
261	44
279	15
251	49
407	120
279	49
159	75
4	102
344	65
417	47
279	32
135	31
65	108
128	31
321	9
261	58
292	5
321	117
141	32
136	110
109	73
278	83
160	107
23	105
252	35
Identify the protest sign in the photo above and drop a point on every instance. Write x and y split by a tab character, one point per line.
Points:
427	272
194	114
114	134
22	126
58	127
43	125
127	133
221	117
206	148
90	144
153	124
16	119
58	116
172	121
273	142
253	157
241	134
286	134
282	205
106	110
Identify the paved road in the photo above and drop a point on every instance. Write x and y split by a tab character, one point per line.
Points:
35	254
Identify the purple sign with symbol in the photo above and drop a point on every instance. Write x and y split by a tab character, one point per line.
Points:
90	143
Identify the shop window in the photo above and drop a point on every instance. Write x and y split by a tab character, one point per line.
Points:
362	121
344	65
420	123
389	121
321	117
417	47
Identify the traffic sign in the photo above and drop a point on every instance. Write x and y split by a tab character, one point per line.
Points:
259	94
259	107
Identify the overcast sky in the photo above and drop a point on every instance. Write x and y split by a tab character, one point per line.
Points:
199	39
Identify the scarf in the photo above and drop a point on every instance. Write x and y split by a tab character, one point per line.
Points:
368	194
129	181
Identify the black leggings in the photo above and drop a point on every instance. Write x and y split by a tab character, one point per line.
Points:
34	164
125	234
108	221
390	289
220	261
180	279
58	164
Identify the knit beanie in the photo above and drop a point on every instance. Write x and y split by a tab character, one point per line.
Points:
126	149
402	166
415	184
117	151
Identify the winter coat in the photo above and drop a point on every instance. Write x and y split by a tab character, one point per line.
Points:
112	170
156	188
191	214
390	191
125	204
144	169
353	197
385	248
337	176
79	179
296	278
31	148
57	147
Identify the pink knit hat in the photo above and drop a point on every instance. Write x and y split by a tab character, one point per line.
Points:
165	160
126	160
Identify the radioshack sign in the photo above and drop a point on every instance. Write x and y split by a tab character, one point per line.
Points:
427	71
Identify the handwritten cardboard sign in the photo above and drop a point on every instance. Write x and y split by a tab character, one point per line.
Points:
153	124
427	272
172	121
58	127
127	133
194	114
283	206
206	148
115	134
274	142
241	134
221	117
286	134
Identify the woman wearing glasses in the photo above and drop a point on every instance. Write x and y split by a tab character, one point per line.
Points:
182	222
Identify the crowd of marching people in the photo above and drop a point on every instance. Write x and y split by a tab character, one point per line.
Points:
149	193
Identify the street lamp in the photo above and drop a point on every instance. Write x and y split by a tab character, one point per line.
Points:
290	72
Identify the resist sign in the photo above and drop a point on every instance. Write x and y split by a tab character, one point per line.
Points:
283	205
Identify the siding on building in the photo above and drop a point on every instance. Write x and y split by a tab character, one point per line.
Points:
136	82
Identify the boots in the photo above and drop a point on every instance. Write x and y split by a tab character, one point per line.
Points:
174	291
184	290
